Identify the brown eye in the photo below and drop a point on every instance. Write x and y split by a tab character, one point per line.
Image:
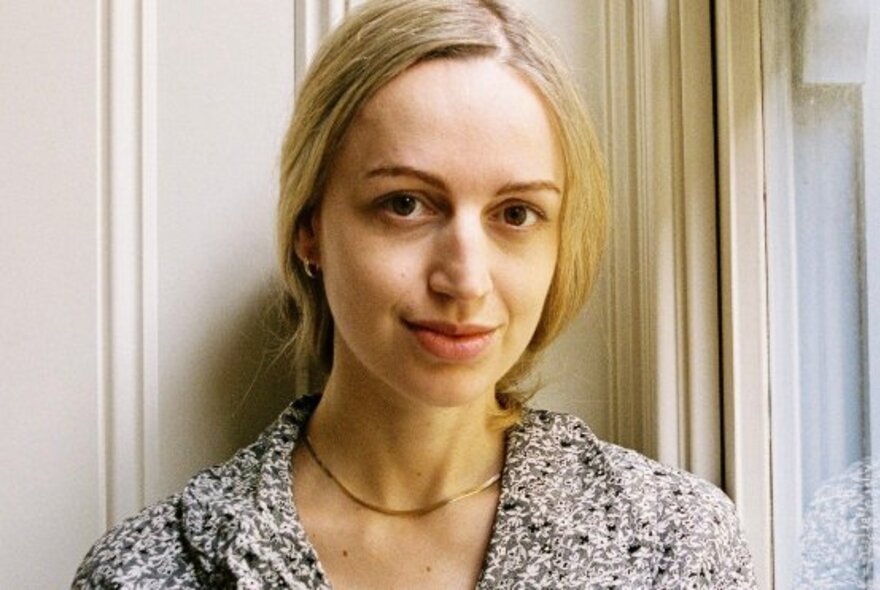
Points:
403	205
516	215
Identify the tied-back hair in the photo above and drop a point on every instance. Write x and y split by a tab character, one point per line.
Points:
373	45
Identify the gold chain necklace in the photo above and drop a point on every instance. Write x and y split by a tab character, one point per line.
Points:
391	512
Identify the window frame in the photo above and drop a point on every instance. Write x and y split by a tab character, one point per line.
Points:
754	136
745	349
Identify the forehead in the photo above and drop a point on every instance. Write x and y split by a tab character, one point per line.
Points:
453	113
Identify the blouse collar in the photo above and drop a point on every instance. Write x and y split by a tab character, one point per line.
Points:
241	523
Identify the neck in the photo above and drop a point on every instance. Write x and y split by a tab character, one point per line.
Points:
401	454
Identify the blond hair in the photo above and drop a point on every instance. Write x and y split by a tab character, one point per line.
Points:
376	43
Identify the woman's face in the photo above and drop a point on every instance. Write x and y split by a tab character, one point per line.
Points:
438	233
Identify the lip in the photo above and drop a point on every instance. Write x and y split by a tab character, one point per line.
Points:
452	342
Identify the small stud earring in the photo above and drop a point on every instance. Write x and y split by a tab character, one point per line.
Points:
311	268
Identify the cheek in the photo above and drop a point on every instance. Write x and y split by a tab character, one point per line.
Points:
524	283
364	274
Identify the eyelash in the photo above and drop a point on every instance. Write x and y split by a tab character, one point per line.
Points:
537	215
388	202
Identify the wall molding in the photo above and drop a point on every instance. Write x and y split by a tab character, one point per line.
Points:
662	262
121	369
782	304
871	244
699	327
313	19
102	62
150	243
630	375
743	273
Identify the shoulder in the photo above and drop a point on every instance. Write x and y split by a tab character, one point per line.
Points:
172	543
631	476
229	525
666	494
677	525
144	548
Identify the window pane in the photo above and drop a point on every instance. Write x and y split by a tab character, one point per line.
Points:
821	101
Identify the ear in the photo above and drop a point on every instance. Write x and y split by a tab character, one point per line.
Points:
307	244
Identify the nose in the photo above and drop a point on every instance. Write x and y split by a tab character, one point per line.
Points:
461	265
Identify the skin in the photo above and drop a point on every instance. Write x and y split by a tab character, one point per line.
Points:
443	204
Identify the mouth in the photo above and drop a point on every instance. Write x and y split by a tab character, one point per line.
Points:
452	342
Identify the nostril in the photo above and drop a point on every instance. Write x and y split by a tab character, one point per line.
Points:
461	282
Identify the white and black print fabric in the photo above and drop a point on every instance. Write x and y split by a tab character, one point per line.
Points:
574	512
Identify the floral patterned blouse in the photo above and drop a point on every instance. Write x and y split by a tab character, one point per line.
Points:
574	512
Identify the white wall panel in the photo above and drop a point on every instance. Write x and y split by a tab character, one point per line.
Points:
224	87
49	494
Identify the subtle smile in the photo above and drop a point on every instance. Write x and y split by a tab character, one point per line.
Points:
452	342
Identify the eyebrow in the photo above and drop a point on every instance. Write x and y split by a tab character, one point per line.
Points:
436	182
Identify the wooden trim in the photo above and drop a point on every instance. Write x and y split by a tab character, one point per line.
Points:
658	140
150	246
871	248
632	373
743	274
700	380
871	171
307	17
643	233
103	263
666	386
312	20
123	312
334	11
784	339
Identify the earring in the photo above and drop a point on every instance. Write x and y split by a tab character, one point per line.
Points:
311	268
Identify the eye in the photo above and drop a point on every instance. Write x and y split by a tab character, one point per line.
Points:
403	205
520	215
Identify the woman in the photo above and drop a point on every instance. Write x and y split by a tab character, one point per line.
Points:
441	217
